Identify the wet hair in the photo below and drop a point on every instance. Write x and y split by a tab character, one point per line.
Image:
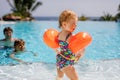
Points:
65	16
7	29
19	42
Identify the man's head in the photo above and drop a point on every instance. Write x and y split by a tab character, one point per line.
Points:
8	32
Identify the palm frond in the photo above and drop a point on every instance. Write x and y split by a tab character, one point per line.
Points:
36	5
119	7
10	4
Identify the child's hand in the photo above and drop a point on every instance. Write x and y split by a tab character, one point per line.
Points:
23	62
77	57
79	54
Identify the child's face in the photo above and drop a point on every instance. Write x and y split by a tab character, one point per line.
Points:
19	47
71	25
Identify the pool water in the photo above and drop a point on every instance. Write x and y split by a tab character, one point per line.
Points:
105	44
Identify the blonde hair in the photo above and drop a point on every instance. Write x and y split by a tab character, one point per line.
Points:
65	16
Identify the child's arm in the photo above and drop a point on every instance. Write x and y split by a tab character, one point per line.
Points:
56	50
19	60
80	54
35	54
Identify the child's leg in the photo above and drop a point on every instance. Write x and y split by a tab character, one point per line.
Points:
60	74
70	73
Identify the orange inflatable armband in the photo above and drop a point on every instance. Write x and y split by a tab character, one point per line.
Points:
79	41
50	38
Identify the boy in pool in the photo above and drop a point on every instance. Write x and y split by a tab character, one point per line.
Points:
19	47
65	57
8	41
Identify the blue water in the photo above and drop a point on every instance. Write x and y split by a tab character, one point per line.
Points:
105	44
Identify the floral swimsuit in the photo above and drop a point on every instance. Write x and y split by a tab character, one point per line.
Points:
66	57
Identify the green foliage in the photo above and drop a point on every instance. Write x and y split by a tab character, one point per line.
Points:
82	18
107	17
118	15
24	7
16	14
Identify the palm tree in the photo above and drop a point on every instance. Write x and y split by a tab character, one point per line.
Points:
119	8
118	14
23	7
107	17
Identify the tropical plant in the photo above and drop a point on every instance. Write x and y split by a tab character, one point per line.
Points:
119	8
24	7
118	14
82	18
107	17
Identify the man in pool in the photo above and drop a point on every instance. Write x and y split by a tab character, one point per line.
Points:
8	41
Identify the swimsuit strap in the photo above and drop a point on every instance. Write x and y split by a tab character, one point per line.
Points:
67	36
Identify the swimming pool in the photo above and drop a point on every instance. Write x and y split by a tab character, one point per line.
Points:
105	44
101	61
